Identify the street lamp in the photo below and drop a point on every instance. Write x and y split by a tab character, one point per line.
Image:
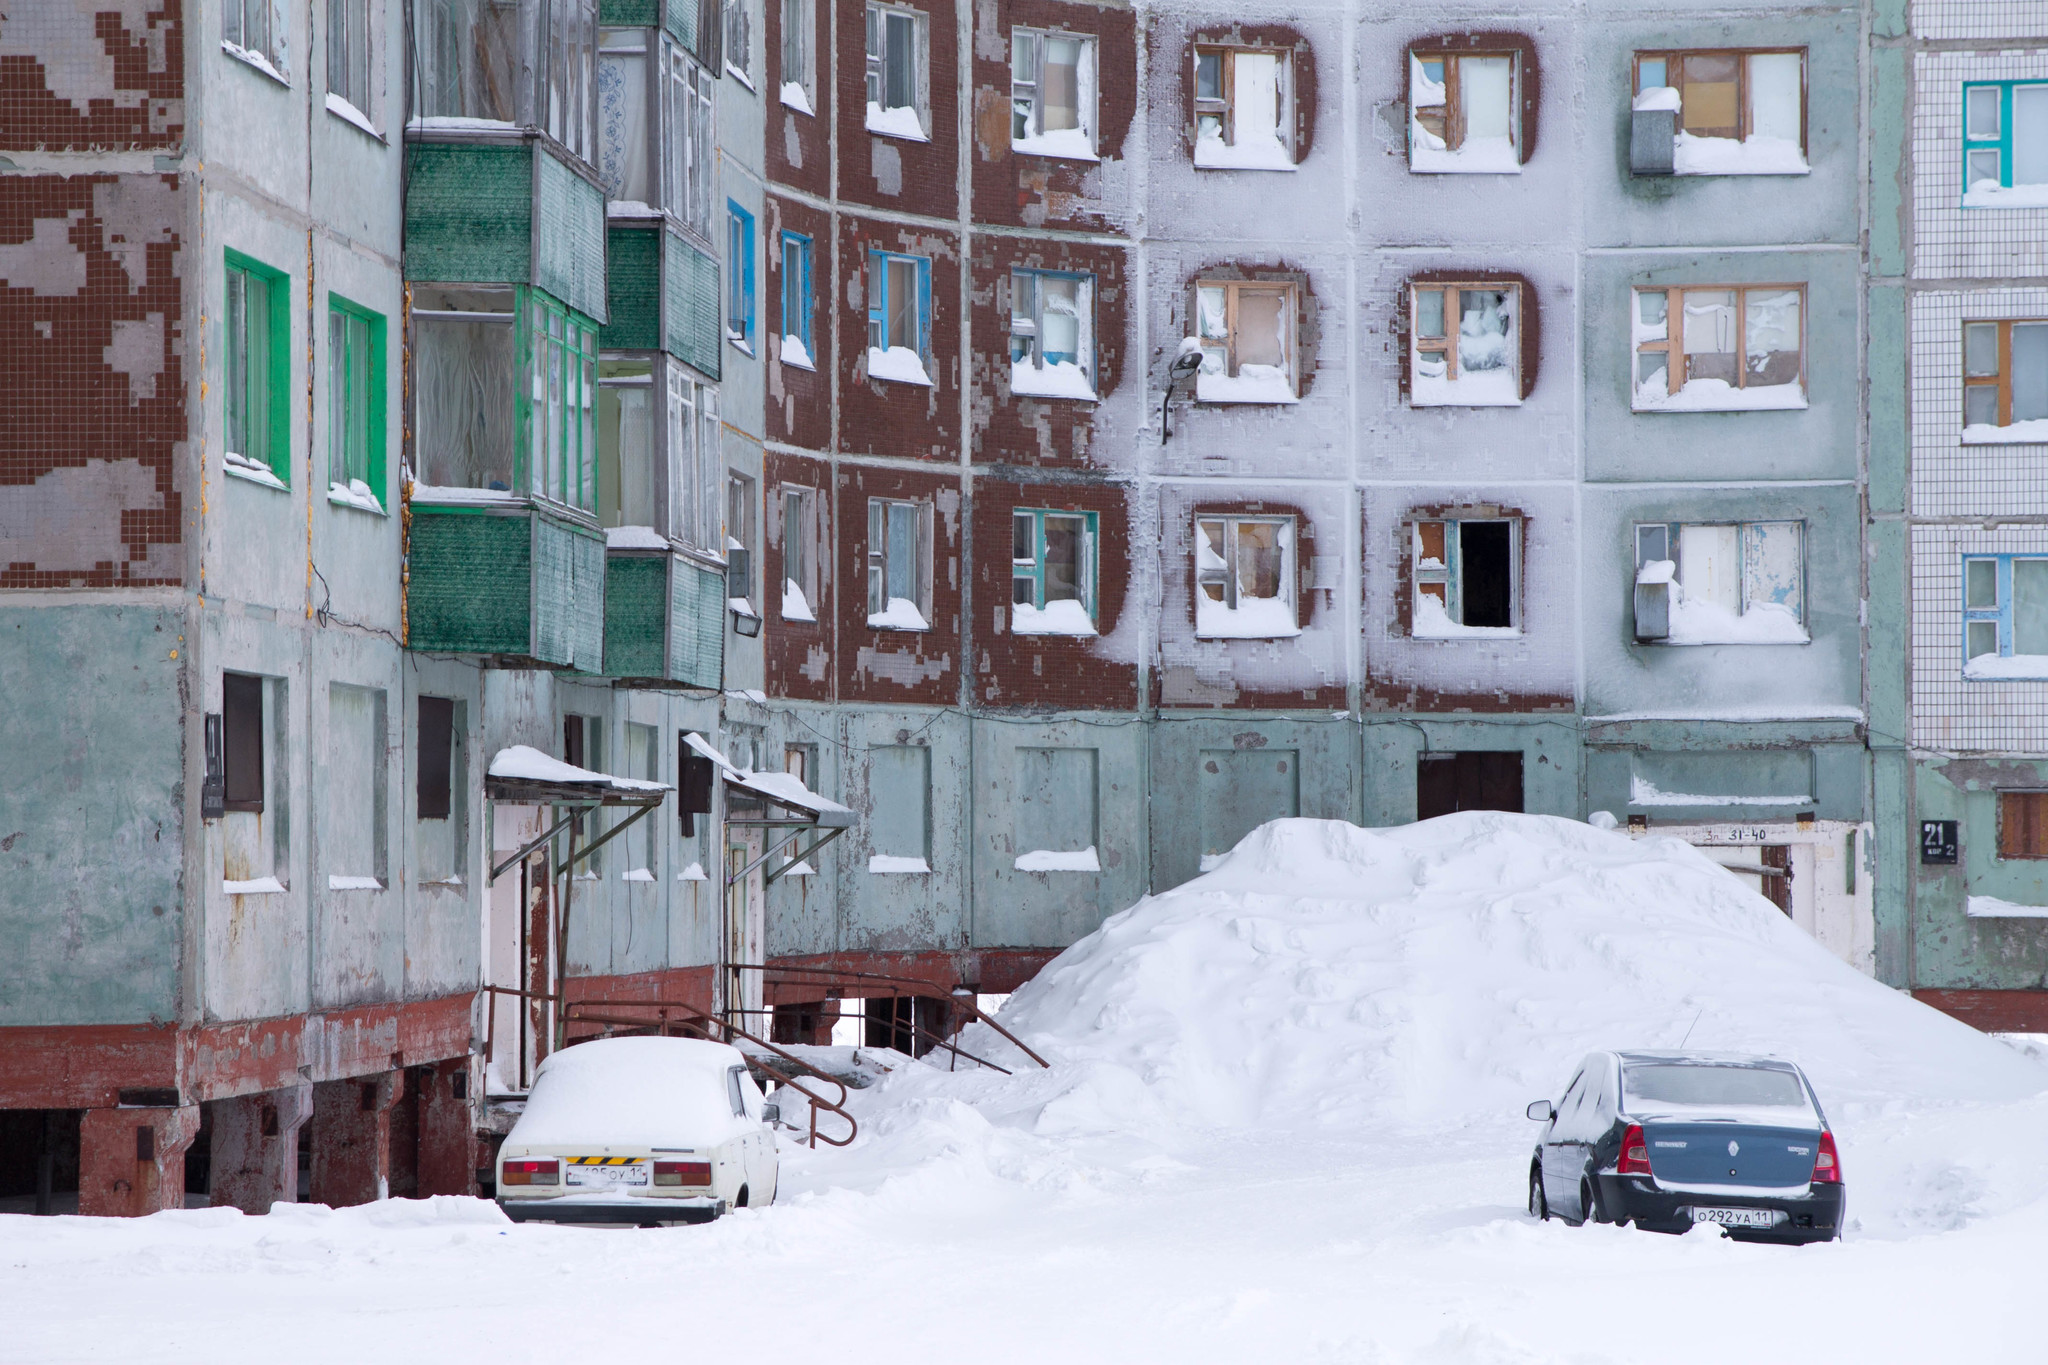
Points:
1186	365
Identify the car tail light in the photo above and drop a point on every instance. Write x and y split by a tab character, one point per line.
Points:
1635	1152
682	1173
530	1172
1827	1167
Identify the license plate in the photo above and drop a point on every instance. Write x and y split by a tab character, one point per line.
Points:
604	1174
1734	1218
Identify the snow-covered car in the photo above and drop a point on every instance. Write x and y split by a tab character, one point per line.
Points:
642	1131
1671	1140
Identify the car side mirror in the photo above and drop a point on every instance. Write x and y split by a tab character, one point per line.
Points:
1540	1111
771	1112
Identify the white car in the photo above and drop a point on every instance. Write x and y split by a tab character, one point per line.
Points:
641	1131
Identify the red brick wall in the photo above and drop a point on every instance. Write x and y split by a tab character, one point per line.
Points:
910	421
1051	670
894	666
796	142
893	172
94	83
799	654
1053	432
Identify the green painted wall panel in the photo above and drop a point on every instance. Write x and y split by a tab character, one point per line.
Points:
568	595
629	13
691	330
679	17
1890	87
636	610
571	239
1888	388
469	213
469	582
697	626
633	281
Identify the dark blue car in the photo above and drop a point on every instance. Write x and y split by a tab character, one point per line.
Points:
1670	1140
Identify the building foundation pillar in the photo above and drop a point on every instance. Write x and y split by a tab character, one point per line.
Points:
131	1162
447	1150
256	1148
352	1139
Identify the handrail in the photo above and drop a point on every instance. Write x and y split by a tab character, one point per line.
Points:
922	1032
922	988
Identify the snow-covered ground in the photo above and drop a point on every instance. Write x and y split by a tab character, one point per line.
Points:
1284	1123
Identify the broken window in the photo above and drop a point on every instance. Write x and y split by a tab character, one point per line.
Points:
2005	382
797	40
1244	109
355	405
1052	334
1052	94
690	145
434	782
254	30
2005	616
1729	348
466	59
628	462
2005	144
561	417
739	277
739	41
1466	575
1736	113
1052	572
1725	583
696	462
1463	112
899	317
1246	332
796	301
739	544
2022	824
1245	578
348	53
896	73
464	391
899	553
257	365
351	843
1466	345
625	141
800	546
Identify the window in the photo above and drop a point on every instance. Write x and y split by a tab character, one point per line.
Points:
2023	824
739	277
895	79
254	31
1466	347
628	466
242	741
439	808
466	59
1729	583
256	360
899	808
899	317
355	405
353	834
1463	112
796	301
1732	349
2005	382
434	780
1246	332
568	69
797	39
2005	617
1737	113
560	409
466	399
1245	578
1052	334
696	463
2005	145
583	747
739	544
1473	779
348	54
643	761
1052	572
1466	578
1052	94
625	142
799	553
739	41
1244	109
899	551
690	148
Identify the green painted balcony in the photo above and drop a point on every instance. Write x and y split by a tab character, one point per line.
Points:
662	296
517	584
664	619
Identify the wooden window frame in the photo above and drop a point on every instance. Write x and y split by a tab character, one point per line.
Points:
1450	578
1672	530
2013	841
536	349
1453	132
809	542
1034	335
794	62
1447	345
1673	344
2001	381
797	244
1289	326
1290	557
1674	60
877	60
1225	108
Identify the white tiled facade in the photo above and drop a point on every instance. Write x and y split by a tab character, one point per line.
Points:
1950	241
1949	710
1951	479
1949	19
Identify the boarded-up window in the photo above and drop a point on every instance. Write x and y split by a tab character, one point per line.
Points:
1477	779
434	784
2023	824
242	740
1055	801
1242	789
899	795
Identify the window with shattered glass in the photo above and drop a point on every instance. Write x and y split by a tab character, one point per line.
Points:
1464	348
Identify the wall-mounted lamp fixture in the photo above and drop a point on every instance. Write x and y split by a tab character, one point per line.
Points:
745	624
1185	367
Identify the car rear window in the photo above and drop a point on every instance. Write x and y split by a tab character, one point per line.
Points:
1693	1086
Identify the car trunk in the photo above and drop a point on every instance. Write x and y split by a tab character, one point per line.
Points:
1695	1152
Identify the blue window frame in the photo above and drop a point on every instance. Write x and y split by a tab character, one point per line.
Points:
1052	558
2005	140
2005	616
796	291
739	277
899	302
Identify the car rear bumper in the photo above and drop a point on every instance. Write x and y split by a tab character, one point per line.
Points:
615	1212
1816	1217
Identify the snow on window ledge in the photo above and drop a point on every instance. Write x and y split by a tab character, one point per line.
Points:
1643	792
1432	622
740	343
256	59
2033	431
1051	860
794	96
800	868
795	606
1753	155
1068	144
1212	153
1694	622
637	874
792	351
1500	388
1061	379
338	882
901	614
1985	195
241	468
1718	395
348	113
1664	97
890	863
2010	668
901	121
630	208
740	606
258	886
1251	384
693	873
897	365
442	493
1991	907
742	77
355	493
1253	618
634	538
1055	618
1427	155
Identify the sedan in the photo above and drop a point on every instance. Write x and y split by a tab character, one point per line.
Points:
639	1131
1670	1140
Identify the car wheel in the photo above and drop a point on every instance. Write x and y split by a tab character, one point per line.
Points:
1539	1207
739	1201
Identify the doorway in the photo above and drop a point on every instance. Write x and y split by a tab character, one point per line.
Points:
1471	779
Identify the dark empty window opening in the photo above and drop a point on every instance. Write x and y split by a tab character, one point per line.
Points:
1475	779
572	741
1465	575
435	785
242	740
1484	549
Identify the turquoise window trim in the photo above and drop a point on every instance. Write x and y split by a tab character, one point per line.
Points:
1999	615
556	349
276	363
878	300
796	289
1033	570
739	305
346	406
2002	144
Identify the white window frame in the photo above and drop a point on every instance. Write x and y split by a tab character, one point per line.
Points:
696	463
1441	578
1027	111
801	541
1650	339
1030	376
1660	559
1452	389
352	51
885	118
256	32
1226	618
796	71
885	588
739	41
689	135
1218	144
1220	380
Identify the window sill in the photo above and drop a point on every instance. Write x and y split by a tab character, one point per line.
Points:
741	344
435	495
897	365
354	494
742	77
796	98
455	883
336	882
795	354
354	117
238	468
888	863
260	886
2007	668
252	58
901	122
2032	432
891	629
1057	146
1716	395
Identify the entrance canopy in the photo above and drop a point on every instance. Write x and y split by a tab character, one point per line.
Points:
522	775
